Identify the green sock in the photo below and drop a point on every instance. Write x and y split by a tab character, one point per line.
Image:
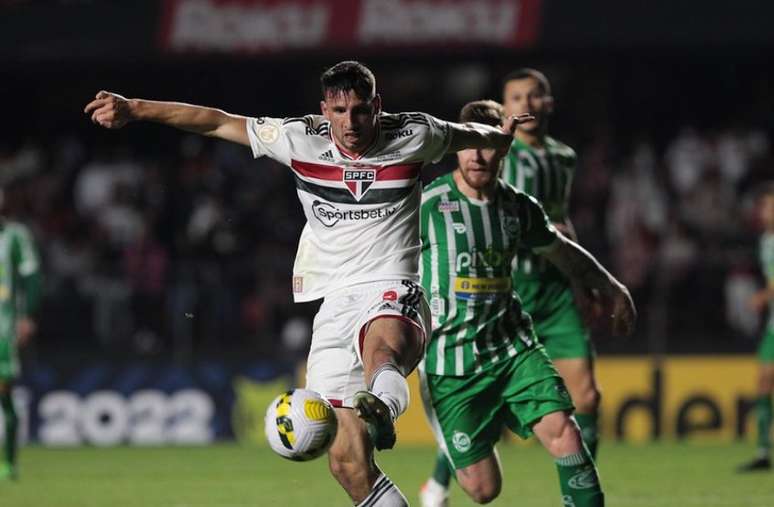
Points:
579	481
442	471
11	423
589	431
763	413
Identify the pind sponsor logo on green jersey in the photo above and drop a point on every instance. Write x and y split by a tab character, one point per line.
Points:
583	480
461	441
475	259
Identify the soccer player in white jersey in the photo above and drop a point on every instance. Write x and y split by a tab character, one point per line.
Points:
356	171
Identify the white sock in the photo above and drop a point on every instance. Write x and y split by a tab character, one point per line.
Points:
384	494
391	387
436	487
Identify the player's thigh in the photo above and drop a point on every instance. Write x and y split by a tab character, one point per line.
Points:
533	389
394	326
578	375
465	415
391	339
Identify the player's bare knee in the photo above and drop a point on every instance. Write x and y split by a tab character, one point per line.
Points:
482	491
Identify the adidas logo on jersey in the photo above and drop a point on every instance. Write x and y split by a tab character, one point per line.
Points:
327	156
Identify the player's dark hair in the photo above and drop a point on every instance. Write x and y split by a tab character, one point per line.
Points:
488	112
346	76
525	73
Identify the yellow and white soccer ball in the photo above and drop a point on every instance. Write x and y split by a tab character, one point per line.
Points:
300	425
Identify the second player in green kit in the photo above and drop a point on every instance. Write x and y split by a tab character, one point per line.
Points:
544	168
484	366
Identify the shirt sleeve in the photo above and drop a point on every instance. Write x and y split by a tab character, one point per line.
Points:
538	233
270	137
438	139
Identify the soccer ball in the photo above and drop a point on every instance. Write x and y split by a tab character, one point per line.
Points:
300	425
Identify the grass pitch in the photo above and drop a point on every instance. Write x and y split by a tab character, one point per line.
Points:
230	475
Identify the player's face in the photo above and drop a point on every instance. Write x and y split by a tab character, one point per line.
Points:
767	212
478	168
527	96
353	119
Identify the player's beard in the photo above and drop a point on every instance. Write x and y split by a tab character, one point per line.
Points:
478	179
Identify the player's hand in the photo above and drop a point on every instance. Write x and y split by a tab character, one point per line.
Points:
25	330
590	306
109	110
759	301
511	122
623	314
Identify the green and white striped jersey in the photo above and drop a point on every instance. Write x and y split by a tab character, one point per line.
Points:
546	174
19	265
467	250
767	265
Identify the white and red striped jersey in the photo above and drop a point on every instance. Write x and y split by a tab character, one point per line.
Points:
362	214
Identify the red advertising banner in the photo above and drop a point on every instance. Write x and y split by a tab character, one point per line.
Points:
266	26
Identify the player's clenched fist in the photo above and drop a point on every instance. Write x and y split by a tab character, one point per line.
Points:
109	110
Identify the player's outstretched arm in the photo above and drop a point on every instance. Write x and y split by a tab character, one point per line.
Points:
113	111
479	136
583	269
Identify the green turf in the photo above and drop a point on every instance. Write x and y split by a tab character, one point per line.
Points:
639	476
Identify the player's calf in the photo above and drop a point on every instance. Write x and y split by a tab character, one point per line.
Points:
350	458
578	476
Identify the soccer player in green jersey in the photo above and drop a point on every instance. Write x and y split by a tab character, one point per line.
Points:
19	276
484	366
762	299
543	167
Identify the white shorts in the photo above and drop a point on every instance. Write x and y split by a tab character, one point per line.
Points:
335	364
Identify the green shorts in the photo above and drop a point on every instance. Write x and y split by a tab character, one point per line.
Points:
555	318
467	413
766	348
9	361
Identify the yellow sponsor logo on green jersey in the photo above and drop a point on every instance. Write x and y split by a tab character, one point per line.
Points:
469	288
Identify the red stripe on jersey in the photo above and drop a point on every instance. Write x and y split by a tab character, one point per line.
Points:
319	171
399	172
